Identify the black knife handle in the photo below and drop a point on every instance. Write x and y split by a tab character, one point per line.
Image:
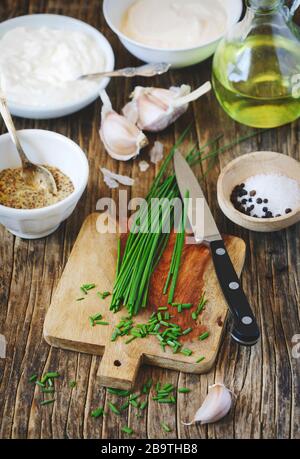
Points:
245	330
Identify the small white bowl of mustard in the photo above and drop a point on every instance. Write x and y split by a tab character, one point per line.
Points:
31	215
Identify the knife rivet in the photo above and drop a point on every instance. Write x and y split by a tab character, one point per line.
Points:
220	252
234	286
247	320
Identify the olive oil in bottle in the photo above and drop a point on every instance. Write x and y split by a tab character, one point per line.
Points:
256	68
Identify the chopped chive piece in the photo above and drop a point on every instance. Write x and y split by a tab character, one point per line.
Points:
88	287
99	412
97	317
48	390
72	384
186	305
143	405
48	376
124	406
83	290
113	408
127	430
130	340
80	299
166	427
168	387
184	390
204	336
33	378
91	321
103	295
200	360
119	392
186	352
134	403
167	400
187	331
147	386
163	308
47	402
134	397
194	316
99	322
115	335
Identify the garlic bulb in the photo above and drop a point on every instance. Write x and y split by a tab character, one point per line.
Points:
121	138
154	109
215	407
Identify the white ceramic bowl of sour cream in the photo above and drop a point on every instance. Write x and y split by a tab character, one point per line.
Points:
114	11
55	21
50	148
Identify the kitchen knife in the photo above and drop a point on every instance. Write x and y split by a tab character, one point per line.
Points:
245	330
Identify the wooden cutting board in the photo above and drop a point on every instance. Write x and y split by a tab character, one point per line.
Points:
93	260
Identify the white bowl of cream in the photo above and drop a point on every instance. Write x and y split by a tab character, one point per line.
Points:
180	32
41	57
52	149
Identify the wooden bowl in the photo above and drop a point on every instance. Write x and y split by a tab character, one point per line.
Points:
239	170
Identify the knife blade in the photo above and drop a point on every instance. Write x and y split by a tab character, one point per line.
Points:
245	330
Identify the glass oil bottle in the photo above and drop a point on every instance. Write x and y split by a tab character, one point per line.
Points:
256	68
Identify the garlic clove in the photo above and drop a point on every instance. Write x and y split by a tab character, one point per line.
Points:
154	109
113	180
156	152
121	138
216	405
143	166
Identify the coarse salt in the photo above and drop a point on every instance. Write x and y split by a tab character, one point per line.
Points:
277	193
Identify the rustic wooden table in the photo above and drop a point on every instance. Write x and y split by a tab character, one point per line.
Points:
266	378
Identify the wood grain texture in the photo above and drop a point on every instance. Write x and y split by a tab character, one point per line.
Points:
266	379
93	260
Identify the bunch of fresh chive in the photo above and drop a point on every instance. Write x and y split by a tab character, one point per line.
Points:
177	253
144	248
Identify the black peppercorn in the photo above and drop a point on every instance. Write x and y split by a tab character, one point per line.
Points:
243	193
